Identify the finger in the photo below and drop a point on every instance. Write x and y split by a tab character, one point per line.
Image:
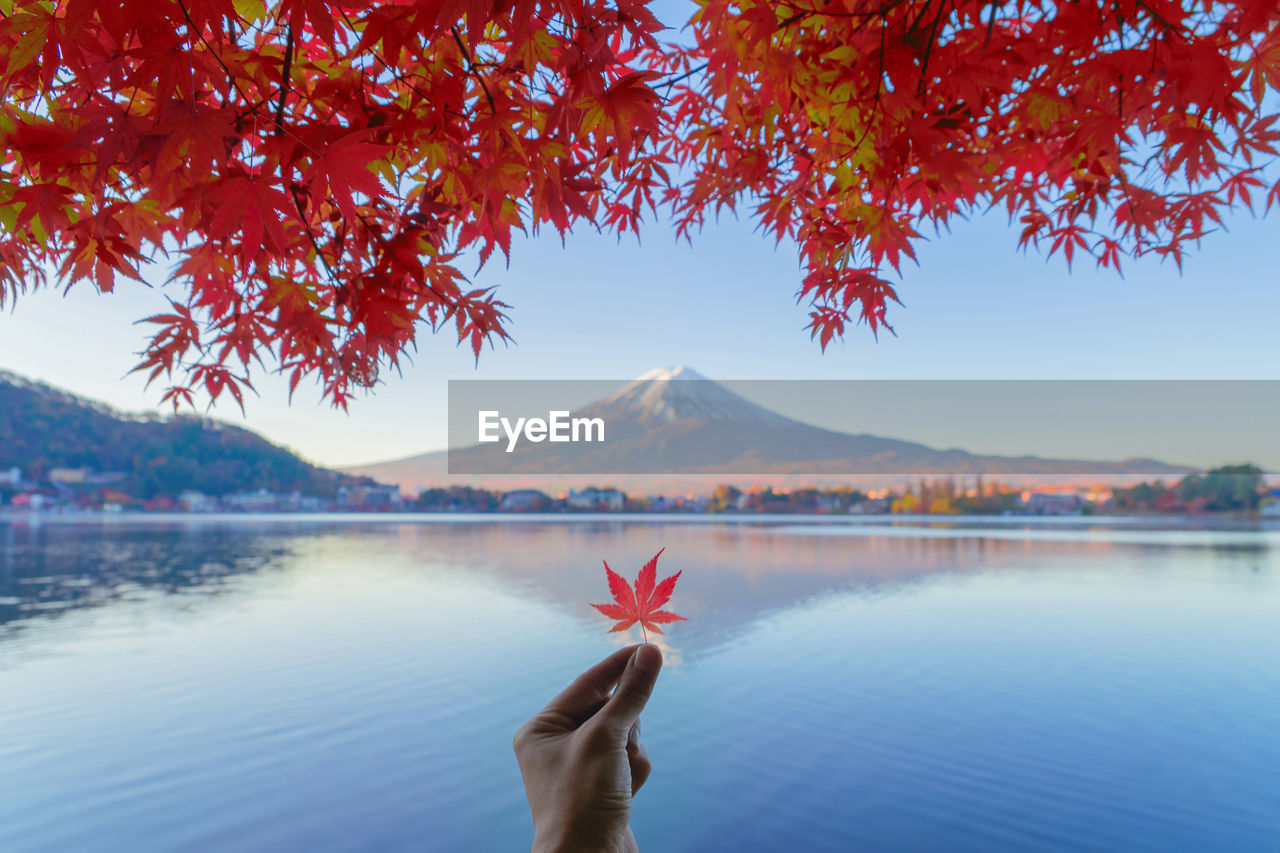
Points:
590	691
638	758
635	687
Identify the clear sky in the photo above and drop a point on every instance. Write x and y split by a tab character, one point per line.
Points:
600	309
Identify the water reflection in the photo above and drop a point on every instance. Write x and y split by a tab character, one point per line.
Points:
741	571
352	684
47	570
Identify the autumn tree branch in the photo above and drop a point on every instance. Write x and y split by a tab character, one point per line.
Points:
191	27
284	81
471	67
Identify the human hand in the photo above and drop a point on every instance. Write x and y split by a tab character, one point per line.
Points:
581	756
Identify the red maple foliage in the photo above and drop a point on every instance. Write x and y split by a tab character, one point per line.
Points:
642	604
314	172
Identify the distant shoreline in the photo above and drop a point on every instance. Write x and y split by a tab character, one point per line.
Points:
1201	521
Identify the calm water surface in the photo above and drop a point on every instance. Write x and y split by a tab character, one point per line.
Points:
352	684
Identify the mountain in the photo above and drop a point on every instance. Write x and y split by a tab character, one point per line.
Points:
42	428
671	395
673	421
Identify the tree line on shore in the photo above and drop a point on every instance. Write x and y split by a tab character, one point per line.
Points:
1231	488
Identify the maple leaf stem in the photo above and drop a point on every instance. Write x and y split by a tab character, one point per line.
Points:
337	283
191	27
471	68
875	103
923	85
391	69
671	81
451	304
284	81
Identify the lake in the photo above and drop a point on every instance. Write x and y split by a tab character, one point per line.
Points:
352	683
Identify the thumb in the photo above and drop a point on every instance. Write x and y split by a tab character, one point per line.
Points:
634	689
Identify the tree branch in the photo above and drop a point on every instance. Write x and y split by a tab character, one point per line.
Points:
337	283
191	27
928	52
284	81
671	81
471	67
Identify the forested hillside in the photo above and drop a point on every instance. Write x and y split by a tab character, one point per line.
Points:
42	428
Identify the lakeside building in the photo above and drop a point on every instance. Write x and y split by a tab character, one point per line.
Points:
524	500
262	500
611	500
871	506
1055	503
195	501
377	496
85	476
687	503
259	501
101	478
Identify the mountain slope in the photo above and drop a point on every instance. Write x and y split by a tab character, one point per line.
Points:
673	421
42	428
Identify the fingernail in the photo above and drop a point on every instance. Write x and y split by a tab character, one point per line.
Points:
648	658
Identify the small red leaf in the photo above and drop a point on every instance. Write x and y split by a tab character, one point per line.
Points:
641	605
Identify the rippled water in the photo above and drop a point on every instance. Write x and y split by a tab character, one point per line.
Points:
352	684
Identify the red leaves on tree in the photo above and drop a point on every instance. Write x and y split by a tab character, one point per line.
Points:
343	172
1105	128
643	604
250	209
316	174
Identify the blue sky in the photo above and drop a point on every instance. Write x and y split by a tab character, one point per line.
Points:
600	309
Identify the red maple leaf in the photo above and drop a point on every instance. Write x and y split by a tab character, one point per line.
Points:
641	604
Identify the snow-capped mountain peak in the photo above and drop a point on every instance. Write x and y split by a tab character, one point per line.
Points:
669	394
659	374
